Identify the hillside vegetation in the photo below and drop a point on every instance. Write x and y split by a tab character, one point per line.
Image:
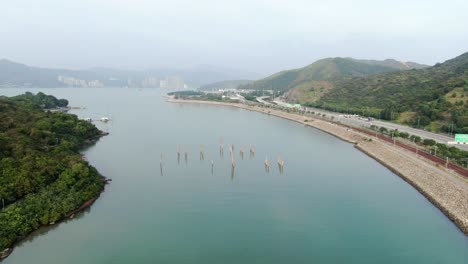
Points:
327	69
224	85
433	97
42	175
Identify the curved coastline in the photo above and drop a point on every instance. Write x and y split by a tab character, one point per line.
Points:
69	215
445	189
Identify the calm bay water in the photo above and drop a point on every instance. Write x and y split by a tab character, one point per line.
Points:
333	204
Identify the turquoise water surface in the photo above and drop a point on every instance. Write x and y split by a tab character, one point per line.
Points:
332	204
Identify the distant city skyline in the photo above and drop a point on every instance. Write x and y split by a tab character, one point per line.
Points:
259	37
168	82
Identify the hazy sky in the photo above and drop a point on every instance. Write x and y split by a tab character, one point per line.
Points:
259	36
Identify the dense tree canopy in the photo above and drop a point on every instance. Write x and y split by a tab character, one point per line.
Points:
42	175
429	93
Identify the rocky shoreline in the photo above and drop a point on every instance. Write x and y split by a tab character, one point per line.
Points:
443	188
448	197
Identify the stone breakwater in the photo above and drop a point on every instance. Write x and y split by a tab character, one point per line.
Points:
443	188
432	182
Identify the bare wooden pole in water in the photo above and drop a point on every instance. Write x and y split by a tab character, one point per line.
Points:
231	153
202	152
267	164
178	154
186	155
252	151
232	158
161	164
221	147
280	165
233	165
241	152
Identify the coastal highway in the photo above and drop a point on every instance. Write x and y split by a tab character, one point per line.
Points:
363	122
261	99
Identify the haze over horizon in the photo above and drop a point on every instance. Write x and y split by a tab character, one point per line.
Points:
254	36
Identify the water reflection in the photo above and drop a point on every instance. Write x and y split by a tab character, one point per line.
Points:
202	153
161	160
242	150
46	229
267	165
232	172
178	154
280	165
280	168
148	229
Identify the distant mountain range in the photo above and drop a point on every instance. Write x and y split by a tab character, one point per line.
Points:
327	69
14	74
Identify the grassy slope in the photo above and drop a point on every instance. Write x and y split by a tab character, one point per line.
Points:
230	84
325	69
427	92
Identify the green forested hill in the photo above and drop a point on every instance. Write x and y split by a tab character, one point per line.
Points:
327	69
230	84
42	174
433	96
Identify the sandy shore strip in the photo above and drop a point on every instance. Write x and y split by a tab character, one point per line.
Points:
442	187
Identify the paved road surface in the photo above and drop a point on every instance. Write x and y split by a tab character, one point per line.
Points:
261	99
362	122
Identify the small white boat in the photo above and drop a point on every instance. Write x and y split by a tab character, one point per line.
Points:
105	119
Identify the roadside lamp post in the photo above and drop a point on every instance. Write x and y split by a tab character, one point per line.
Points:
435	151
